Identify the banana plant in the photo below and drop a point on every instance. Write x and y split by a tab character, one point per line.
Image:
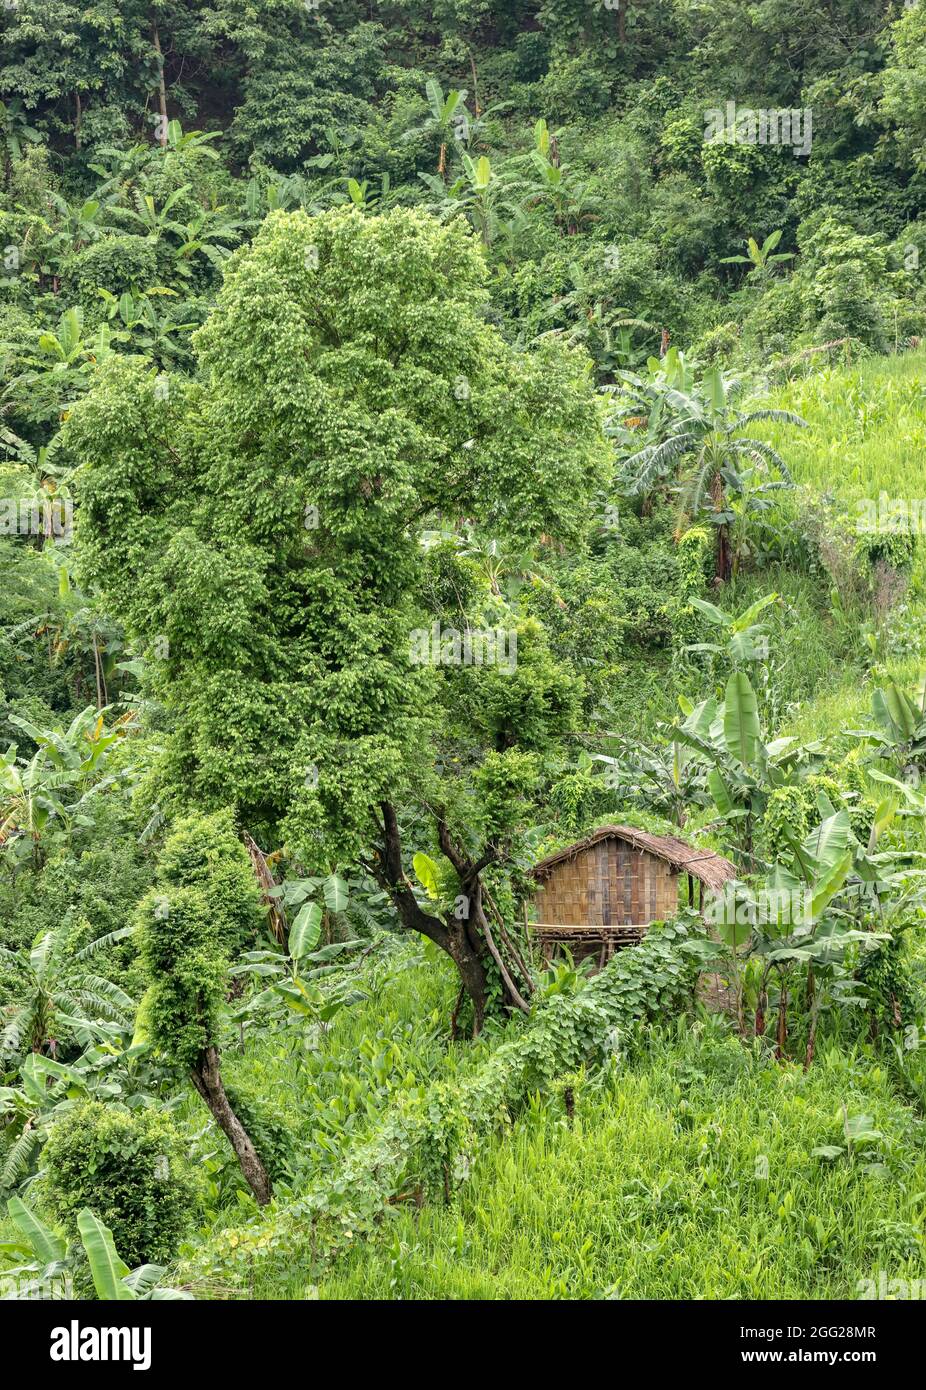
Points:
818	936
754	528
604	328
552	183
48	1088
50	1261
643	409
46	492
55	368
900	730
80	223
50	792
55	992
760	258
154	220
81	746
149	330
803	913
121	169
742	769
362	197
180	142
506	571
282	192
481	197
669	780
448	121
707	450
302	893
745	639
15	132
479	192
205	236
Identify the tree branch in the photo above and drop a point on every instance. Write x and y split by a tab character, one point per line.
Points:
390	875
493	950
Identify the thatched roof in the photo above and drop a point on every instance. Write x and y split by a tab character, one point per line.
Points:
712	869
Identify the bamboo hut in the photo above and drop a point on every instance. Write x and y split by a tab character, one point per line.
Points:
603	892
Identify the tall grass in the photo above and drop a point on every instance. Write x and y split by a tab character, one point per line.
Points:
689	1175
866	435
867	428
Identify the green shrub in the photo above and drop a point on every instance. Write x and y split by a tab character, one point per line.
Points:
695	559
204	853
574	88
897	550
90	887
429	1137
793	811
117	264
842	277
578	797
205	895
720	344
185	968
887	979
694	556
128	1167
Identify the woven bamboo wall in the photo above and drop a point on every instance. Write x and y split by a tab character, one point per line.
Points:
608	884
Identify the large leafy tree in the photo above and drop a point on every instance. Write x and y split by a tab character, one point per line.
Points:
904	83
264	529
278	71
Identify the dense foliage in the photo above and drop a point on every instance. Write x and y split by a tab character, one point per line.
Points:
130	1168
426	435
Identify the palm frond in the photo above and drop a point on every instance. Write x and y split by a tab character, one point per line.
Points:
14	1031
779	417
697	486
92	1011
105	989
102	942
654	461
760	449
18	1159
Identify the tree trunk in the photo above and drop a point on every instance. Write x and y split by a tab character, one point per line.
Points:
761	1004
467	938
472	68
811	1041
162	90
456	1012
782	1038
740	992
207	1079
814	1010
722	564
99	674
275	910
472	973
